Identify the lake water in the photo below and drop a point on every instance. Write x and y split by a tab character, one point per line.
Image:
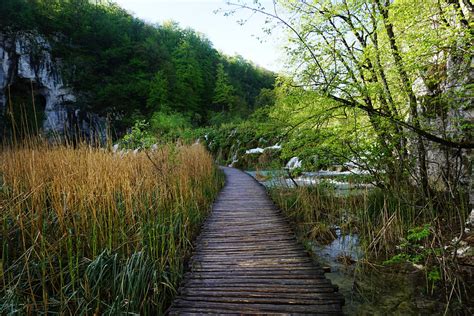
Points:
279	178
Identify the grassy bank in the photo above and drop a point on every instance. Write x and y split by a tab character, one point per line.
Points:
401	238
86	231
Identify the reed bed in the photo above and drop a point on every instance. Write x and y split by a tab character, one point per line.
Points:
87	231
316	210
398	231
380	217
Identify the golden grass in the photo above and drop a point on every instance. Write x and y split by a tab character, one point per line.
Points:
78	223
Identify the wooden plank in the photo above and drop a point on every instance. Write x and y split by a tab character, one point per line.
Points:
294	300
259	281
256	294
253	277
274	270
319	288
252	265
331	308
289	246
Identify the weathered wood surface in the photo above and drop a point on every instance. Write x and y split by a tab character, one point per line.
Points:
247	261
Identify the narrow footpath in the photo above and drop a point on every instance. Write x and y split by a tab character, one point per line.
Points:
247	261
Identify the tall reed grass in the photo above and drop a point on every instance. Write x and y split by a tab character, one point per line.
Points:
87	231
381	217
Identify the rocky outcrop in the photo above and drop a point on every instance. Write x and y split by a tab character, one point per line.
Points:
447	110
28	56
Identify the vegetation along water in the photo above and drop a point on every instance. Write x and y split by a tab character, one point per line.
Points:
112	129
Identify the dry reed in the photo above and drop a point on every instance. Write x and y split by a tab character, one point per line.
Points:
88	231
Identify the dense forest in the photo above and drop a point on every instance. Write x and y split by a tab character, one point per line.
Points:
124	68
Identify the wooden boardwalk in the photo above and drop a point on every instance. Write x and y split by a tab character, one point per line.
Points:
247	261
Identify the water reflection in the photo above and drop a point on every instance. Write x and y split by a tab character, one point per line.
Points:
342	249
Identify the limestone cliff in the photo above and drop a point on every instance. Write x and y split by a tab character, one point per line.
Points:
27	57
447	107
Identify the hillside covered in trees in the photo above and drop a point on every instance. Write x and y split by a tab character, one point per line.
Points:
127	70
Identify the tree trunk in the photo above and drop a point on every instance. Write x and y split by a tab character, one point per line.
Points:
421	150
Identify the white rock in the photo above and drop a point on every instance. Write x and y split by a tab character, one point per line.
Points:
275	147
418	266
470	219
294	163
420	88
454	241
257	150
44	73
234	160
462	251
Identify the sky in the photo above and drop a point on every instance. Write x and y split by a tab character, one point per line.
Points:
224	32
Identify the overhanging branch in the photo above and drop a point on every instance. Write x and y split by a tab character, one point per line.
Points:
417	130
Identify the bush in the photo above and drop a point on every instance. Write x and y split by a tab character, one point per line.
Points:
138	137
170	124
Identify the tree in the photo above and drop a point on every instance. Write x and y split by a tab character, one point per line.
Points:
266	97
224	92
158	95
189	84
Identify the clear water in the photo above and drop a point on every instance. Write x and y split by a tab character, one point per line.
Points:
373	291
279	178
343	246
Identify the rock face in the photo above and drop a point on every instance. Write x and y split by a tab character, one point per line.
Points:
448	167
27	56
